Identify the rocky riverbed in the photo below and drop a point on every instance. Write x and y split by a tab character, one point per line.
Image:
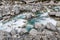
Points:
30	21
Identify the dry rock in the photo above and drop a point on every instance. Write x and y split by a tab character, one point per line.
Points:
33	32
50	26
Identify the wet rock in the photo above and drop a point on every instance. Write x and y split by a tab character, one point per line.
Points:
29	27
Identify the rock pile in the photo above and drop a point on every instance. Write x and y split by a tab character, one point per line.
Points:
30	21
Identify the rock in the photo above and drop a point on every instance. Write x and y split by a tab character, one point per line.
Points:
12	13
0	12
6	17
33	32
27	1
13	32
29	27
50	26
1	35
34	10
18	30
24	30
52	13
58	28
47	32
52	37
37	37
57	14
20	23
39	27
28	15
16	9
58	24
44	38
27	37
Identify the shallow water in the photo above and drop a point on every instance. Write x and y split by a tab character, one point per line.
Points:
42	18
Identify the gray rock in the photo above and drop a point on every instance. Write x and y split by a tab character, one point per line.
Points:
50	26
16	8
13	32
33	32
45	31
27	1
52	13
37	37
44	38
57	14
27	37
39	27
